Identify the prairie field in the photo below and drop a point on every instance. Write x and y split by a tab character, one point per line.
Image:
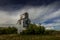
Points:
34	33
29	37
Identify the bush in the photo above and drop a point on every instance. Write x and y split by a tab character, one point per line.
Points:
34	29
48	32
9	30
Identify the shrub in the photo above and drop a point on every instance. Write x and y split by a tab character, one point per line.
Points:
49	32
9	30
34	29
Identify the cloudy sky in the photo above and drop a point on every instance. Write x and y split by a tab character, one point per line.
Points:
46	12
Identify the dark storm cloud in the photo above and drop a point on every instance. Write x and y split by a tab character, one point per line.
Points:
12	5
25	2
33	2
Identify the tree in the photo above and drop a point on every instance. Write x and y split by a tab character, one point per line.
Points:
34	29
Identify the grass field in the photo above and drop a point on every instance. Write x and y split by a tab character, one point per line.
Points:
48	35
29	37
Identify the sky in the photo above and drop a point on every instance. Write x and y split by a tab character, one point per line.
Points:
46	12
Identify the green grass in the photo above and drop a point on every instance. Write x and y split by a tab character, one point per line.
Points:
52	36
29	37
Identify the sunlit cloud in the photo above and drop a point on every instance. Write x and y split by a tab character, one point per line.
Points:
37	14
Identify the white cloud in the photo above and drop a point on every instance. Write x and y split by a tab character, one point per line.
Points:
57	21
49	28
51	24
52	15
41	13
7	19
34	12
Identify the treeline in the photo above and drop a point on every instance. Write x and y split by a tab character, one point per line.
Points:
9	30
32	29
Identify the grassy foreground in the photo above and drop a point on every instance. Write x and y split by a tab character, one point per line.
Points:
29	37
